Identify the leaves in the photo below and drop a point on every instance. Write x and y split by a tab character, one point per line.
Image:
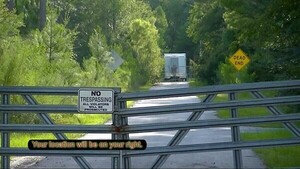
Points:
147	51
99	48
9	22
266	30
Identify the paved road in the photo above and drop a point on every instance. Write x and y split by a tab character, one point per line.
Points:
220	159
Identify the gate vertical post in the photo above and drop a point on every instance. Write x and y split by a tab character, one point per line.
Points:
119	122
235	135
125	136
5	161
117	162
115	136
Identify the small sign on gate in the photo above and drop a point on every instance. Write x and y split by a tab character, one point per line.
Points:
95	100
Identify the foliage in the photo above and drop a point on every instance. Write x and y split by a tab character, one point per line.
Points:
148	53
57	42
9	22
74	48
99	48
27	10
162	25
228	75
266	30
177	12
207	28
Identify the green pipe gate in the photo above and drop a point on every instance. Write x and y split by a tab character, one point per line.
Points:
121	129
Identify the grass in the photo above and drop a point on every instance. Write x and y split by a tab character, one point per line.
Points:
145	87
130	103
281	157
21	139
246	112
195	83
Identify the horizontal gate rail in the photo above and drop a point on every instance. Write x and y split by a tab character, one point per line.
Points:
155	150
157	109
27	152
216	89
212	146
40	108
58	128
206	106
149	127
208	123
36	90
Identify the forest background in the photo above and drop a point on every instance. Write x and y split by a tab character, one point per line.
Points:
70	42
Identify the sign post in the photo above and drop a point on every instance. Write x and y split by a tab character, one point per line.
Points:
95	100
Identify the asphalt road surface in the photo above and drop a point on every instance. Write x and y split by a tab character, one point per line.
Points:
219	159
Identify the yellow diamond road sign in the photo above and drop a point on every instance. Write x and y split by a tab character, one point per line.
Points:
239	59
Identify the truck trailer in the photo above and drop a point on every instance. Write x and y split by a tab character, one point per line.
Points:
175	66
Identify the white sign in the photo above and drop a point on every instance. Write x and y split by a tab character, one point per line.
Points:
96	100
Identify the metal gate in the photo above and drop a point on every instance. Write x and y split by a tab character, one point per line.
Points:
121	130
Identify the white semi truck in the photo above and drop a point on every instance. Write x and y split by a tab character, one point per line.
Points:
175	66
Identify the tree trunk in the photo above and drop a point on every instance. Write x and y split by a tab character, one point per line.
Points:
10	4
42	20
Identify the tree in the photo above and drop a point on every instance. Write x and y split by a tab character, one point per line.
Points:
268	29
28	10
10	4
9	22
207	28
177	13
99	48
161	24
144	41
58	42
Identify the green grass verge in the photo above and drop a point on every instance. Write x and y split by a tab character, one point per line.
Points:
246	112
21	139
275	157
145	87
195	83
130	103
